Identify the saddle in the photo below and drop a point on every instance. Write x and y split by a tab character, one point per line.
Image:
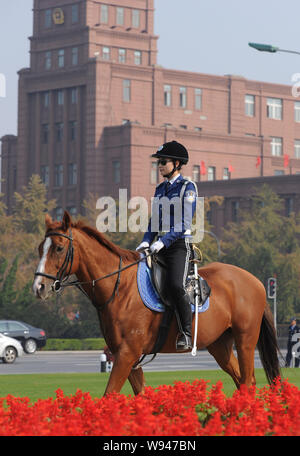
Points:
159	269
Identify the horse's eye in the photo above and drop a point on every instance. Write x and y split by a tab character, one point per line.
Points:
59	248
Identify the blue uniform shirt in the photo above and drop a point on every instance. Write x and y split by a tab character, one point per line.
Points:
176	214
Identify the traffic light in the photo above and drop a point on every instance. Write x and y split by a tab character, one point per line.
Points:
272	284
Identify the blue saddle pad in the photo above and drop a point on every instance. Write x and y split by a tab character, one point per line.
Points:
149	294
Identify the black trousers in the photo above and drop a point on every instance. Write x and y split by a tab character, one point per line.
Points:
177	258
289	355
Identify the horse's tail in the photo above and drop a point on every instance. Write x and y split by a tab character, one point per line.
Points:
268	347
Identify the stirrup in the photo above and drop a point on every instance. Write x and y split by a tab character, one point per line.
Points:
183	342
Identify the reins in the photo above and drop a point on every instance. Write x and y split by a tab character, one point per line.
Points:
60	282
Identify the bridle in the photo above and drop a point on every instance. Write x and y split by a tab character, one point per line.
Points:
61	276
60	281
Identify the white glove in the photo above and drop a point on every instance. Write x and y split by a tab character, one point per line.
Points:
156	246
144	245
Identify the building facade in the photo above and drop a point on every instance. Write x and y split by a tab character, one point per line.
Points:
94	105
237	194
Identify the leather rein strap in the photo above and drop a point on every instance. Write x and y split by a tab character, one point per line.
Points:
60	280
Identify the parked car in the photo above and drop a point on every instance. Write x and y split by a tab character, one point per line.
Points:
9	349
30	337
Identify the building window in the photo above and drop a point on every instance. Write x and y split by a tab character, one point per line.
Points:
59	214
297	148
48	18
274	108
154	173
75	56
59	131
75	14
289	206
135	18
120	16
137	57
250	105
45	174
278	172
45	134
276	147
72	174
116	171
61	58
122	56
104	14
196	173
297	111
60	97
58	175
72	211
226	174
182	97
167	95
74	95
234	211
211	173
198	99
73	130
48	61
105	53
46	99
126	90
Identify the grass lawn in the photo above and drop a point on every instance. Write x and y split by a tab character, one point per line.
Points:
42	386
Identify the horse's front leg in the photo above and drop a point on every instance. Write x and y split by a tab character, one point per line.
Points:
123	362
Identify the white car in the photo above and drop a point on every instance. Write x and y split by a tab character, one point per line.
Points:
9	349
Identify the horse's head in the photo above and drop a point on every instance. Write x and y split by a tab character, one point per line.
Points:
56	257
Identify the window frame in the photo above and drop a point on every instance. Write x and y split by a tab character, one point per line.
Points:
274	110
198	98
126	90
250	105
61	58
183	97
276	146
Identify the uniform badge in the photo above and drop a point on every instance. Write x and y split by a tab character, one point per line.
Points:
160	148
190	196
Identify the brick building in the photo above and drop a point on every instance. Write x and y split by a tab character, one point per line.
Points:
237	195
94	105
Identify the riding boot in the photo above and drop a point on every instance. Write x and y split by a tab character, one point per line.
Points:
184	340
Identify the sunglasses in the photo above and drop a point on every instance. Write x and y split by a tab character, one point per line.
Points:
163	161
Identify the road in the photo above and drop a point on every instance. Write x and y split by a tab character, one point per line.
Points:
89	361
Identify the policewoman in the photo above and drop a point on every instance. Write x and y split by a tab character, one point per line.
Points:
174	244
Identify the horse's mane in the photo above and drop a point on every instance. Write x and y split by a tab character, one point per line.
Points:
129	255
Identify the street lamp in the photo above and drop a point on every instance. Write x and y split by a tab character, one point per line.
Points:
270	48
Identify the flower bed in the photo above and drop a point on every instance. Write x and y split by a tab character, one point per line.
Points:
178	410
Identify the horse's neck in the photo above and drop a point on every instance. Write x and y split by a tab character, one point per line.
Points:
96	261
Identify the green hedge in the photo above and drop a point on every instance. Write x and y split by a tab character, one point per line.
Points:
75	344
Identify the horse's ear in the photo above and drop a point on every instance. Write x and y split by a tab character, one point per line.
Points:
66	221
48	220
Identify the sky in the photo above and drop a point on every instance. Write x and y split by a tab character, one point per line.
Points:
194	35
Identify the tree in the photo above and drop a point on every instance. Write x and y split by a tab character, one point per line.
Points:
31	206
266	243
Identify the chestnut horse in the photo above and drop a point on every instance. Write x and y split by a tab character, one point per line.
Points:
238	313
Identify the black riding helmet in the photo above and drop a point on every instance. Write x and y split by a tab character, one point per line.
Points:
173	150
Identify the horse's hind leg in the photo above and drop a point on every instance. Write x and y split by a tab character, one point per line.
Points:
245	347
137	380
222	351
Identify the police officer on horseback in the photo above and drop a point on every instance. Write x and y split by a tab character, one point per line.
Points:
174	245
